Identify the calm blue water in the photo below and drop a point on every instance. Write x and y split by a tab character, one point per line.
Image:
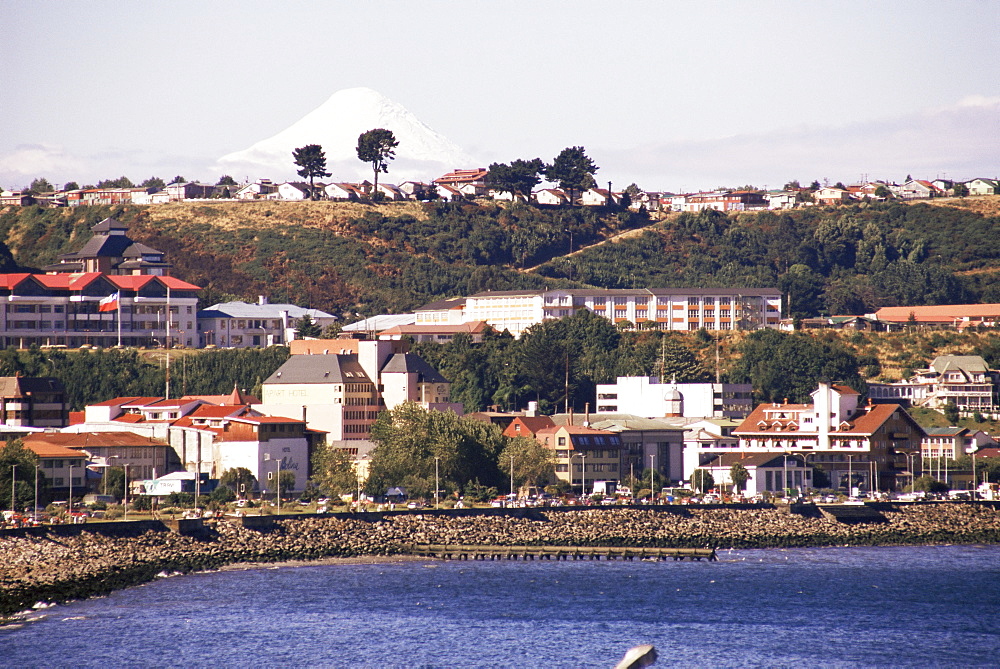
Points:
836	607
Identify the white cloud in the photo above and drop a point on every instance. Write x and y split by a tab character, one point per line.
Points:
961	141
28	161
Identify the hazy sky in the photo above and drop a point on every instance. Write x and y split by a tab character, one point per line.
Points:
671	95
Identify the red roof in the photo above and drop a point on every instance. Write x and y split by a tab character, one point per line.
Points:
532	424
132	282
463	176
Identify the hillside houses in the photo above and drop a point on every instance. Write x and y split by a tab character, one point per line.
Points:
471	183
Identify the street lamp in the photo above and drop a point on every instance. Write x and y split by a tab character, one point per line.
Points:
909	456
971	450
126	466
850	475
652	470
277	499
784	478
512	475
437	484
34	511
13	480
805	468
71	491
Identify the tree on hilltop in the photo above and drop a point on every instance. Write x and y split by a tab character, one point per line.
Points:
178	180
120	182
573	170
520	176
71	185
153	182
312	161
377	147
226	180
40	185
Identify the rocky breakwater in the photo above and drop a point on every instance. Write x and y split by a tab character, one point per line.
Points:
53	568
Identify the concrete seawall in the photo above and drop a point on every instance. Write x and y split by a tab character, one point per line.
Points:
61	563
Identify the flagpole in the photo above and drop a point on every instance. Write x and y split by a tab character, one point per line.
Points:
167	395
119	310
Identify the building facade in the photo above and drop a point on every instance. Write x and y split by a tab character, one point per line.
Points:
340	386
244	325
647	396
65	310
685	309
962	380
33	402
849	442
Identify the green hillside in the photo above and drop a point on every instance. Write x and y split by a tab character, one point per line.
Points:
365	259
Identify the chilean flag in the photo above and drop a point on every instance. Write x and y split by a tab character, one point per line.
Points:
109	303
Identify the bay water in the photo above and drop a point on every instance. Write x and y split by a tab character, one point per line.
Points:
829	607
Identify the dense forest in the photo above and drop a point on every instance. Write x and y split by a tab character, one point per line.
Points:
361	260
96	376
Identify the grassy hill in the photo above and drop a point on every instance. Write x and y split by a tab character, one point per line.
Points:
352	258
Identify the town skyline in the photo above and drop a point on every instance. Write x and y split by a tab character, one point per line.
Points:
760	95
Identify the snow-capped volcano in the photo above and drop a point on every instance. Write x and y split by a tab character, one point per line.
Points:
422	154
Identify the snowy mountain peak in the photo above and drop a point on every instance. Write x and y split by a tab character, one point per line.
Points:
336	124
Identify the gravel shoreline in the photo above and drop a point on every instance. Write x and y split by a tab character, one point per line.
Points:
53	568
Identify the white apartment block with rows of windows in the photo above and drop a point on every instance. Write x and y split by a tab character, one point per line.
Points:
657	308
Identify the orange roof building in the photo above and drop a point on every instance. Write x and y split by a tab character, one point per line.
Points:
958	316
861	443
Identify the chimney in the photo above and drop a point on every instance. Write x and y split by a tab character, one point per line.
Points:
532	409
570	416
261	299
586	416
304	414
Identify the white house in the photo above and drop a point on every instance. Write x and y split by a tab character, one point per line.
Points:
551	197
256	190
598	197
983	186
447	193
391	192
244	325
297	190
769	472
343	192
781	199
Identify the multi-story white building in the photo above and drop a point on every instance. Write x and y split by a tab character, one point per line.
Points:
962	380
647	396
65	310
850	442
243	325
660	308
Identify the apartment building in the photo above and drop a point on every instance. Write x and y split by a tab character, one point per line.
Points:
67	310
685	309
340	385
33	402
583	454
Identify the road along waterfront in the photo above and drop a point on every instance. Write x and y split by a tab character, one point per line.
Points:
75	562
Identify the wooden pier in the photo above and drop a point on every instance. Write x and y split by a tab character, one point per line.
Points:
474	552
